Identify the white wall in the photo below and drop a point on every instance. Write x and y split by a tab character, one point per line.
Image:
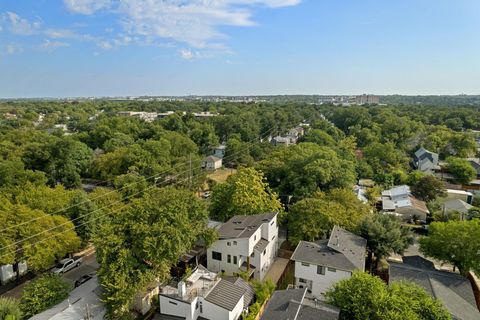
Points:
240	249
214	312
320	283
177	308
244	248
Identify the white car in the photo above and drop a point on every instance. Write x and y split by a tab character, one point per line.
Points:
65	265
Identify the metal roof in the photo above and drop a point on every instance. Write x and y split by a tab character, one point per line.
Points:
225	295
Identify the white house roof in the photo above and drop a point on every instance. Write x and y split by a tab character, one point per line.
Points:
399	191
73	308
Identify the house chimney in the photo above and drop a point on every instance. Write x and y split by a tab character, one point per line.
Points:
182	289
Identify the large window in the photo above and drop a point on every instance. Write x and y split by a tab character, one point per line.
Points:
216	255
229	259
305	264
332	269
235	260
321	270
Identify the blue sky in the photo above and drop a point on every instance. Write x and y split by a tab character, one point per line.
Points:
58	48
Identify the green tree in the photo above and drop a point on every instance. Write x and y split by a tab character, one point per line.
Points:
10	309
141	242
303	169
364	296
385	235
429	188
244	193
313	218
41	243
461	169
43	293
455	242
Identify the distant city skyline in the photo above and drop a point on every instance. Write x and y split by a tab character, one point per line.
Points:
105	48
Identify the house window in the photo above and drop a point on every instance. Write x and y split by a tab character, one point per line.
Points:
264	251
235	262
254	237
171	302
234	243
201	308
332	269
196	306
229	244
272	223
216	255
253	254
305	264
229	259
321	270
273	238
301	280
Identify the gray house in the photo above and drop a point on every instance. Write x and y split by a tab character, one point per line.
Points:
425	161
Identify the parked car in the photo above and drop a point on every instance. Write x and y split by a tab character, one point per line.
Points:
83	279
65	265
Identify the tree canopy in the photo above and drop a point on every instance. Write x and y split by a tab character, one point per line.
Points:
364	296
455	242
244	193
140	242
385	235
313	218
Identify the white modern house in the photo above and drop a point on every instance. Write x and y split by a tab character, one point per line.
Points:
245	244
321	264
204	295
400	202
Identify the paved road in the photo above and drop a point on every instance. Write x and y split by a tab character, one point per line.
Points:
89	265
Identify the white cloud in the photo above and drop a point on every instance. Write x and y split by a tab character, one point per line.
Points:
194	22
21	26
187	54
87	7
50	46
12	48
61	33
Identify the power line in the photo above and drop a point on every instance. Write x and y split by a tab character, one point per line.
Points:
115	190
53	228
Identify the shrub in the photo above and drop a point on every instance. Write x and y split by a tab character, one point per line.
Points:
43	293
10	309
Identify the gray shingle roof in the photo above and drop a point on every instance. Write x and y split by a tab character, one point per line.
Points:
261	245
284	304
344	251
249	291
244	226
453	290
321	312
292	305
225	295
351	245
457	205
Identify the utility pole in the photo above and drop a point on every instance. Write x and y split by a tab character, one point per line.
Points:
190	171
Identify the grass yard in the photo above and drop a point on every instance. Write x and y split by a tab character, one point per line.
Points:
221	175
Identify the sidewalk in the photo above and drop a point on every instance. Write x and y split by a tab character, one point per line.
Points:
276	269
